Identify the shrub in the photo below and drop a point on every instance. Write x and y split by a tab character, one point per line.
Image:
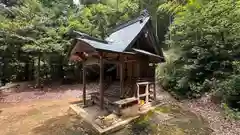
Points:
231	113
231	91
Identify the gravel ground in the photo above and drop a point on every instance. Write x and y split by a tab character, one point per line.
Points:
209	111
203	106
214	114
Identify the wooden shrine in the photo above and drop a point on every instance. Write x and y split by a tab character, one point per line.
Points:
125	61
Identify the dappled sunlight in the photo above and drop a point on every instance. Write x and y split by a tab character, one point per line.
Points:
170	120
68	124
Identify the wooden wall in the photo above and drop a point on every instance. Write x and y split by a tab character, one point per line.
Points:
131	69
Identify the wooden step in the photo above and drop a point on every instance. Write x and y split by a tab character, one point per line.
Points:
124	103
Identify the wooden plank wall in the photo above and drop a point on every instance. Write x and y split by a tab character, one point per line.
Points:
145	70
129	70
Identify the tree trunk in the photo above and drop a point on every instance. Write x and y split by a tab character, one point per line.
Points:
2	75
31	70
38	71
61	70
26	70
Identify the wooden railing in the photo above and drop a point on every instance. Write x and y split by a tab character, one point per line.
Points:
149	94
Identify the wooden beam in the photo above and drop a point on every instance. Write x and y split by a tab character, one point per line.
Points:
101	82
111	61
91	61
84	85
116	61
111	55
130	61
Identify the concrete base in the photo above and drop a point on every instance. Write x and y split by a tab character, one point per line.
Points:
91	113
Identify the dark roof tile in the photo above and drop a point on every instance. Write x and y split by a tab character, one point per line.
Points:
120	39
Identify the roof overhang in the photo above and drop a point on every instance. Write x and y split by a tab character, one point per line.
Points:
153	57
91	48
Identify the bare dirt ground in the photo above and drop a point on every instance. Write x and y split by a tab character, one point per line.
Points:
56	91
46	112
41	112
44	117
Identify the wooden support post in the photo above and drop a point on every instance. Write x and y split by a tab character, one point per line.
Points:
135	79
147	93
138	93
154	85
138	70
101	82
154	92
84	85
121	79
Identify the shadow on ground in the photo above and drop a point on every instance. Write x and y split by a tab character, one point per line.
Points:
166	120
63	125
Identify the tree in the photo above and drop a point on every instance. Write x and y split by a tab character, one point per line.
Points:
34	30
207	35
95	18
32	43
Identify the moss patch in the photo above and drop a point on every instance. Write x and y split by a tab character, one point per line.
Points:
182	122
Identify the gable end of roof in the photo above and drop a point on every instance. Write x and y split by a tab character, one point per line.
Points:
142	16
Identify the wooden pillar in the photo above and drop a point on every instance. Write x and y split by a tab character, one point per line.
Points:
154	92
147	93
101	82
135	79
137	93
84	85
154	85
121	79
138	70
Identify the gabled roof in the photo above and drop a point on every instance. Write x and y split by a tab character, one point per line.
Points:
120	38
123	36
126	35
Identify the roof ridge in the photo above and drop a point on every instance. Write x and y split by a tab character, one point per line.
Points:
143	15
125	24
86	36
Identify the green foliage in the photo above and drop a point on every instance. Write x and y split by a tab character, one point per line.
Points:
91	19
231	86
230	89
231	113
32	33
94	19
207	35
